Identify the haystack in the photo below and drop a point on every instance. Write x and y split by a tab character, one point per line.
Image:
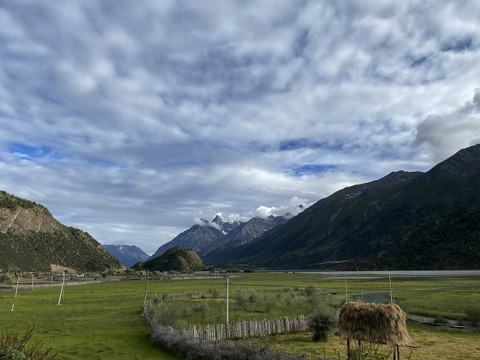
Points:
374	323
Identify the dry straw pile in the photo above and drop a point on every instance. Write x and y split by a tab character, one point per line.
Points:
374	323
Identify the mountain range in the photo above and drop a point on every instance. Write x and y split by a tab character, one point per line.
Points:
210	237
127	254
32	240
406	220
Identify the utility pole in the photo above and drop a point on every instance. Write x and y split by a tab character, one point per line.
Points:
392	298
61	290
16	289
145	297
346	292
227	300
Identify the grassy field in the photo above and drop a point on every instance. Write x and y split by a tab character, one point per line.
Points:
96	321
102	320
433	344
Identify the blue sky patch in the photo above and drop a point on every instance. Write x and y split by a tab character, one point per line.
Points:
312	169
295	144
458	45
30	152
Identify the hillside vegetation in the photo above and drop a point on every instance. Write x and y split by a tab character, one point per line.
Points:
402	221
32	240
175	259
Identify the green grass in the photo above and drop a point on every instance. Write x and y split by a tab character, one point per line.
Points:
202	308
96	321
102	320
433	344
446	303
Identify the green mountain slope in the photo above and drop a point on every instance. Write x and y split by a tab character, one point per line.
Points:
375	225
32	240
449	241
176	259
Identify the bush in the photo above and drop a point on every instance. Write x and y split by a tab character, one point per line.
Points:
322	320
439	320
5	278
310	290
270	302
202	309
164	296
190	348
14	347
473	313
241	300
170	316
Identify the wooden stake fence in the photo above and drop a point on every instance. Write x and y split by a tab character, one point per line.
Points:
243	329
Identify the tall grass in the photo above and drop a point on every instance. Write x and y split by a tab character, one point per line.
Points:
183	310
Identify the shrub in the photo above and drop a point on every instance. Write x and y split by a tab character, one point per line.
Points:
322	320
439	320
289	301
473	312
191	348
202	309
168	315
5	278
241	300
14	347
270	302
157	300
310	290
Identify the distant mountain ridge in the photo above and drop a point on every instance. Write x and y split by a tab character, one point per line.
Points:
32	240
396	222
209	236
196	237
127	254
241	235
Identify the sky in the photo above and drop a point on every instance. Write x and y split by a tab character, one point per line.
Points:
132	119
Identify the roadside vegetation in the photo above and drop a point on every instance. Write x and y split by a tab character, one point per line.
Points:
14	346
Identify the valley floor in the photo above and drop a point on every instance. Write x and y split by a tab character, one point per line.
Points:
103	321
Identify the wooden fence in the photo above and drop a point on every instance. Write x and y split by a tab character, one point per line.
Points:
245	329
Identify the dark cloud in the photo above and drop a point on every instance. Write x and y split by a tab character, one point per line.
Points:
445	133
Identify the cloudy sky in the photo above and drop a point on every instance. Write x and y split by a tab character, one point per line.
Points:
131	119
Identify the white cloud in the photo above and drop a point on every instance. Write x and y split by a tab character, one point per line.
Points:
162	111
292	207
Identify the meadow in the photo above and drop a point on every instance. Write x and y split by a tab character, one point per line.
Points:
102	320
